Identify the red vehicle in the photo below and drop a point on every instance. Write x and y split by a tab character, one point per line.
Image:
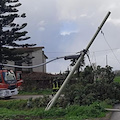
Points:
9	83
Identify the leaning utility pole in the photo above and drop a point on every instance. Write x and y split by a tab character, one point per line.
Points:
54	99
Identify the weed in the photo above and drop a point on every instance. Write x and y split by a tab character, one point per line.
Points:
17	109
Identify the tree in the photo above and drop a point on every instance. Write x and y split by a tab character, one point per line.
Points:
86	90
105	74
11	32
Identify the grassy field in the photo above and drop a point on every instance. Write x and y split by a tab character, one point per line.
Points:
18	110
36	92
117	79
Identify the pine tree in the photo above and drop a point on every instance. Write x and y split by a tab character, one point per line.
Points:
11	32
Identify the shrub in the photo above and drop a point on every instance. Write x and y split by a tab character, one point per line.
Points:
87	90
13	104
92	111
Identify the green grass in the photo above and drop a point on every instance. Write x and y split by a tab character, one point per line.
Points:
18	109
117	79
36	92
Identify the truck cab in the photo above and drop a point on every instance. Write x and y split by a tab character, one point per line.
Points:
9	83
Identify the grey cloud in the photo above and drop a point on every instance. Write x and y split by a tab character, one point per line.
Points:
45	19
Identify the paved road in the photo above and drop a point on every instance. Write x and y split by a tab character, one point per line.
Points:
25	97
116	115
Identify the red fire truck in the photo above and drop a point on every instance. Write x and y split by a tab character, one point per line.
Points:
9	83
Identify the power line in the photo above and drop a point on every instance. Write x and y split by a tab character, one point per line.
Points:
105	50
60	52
109	46
91	51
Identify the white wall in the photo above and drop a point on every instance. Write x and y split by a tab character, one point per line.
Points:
10	68
39	58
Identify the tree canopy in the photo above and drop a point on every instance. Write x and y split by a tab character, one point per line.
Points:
10	32
93	85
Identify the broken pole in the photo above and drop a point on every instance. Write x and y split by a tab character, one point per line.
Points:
54	99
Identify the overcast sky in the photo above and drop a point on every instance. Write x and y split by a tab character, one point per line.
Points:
65	27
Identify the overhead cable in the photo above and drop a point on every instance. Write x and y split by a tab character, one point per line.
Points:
109	46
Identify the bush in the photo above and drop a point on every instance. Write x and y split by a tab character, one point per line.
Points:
38	102
92	111
87	90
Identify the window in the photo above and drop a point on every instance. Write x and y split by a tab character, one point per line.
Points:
9	76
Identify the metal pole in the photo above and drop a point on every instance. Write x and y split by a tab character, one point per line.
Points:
54	99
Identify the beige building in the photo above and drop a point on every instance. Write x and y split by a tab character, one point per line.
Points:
38	57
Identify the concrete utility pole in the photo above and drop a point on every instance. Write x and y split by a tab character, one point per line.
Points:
54	99
106	60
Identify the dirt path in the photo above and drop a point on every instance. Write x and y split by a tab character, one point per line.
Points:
25	97
116	115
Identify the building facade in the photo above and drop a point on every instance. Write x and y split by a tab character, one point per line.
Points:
37	55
